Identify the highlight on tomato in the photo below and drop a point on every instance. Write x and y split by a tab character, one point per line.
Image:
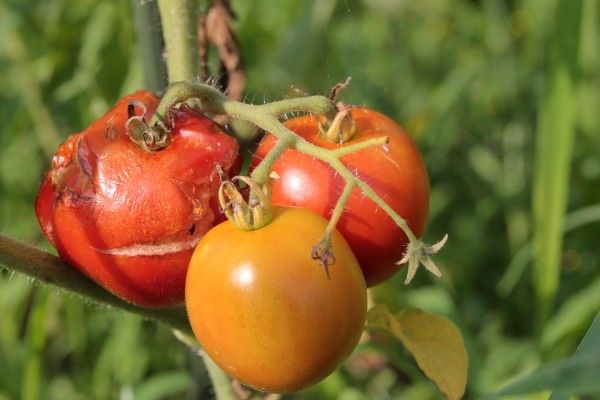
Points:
265	311
395	172
129	218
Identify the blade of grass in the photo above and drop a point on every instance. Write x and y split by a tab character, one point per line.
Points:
574	314
554	142
521	259
36	341
589	346
576	376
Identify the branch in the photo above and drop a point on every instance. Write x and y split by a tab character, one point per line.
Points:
47	268
266	117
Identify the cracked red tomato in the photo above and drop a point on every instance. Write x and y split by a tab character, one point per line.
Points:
130	219
396	172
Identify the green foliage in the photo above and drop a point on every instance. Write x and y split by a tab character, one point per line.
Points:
576	376
472	81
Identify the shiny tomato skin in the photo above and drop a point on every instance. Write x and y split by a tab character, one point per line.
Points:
130	219
266	312
396	172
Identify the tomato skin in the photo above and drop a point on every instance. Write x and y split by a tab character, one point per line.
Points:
397	175
266	312
130	219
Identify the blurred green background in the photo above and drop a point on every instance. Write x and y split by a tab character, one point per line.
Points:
502	97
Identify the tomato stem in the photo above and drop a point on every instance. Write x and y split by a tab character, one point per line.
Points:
365	144
47	268
338	210
263	169
179	22
221	382
266	117
317	105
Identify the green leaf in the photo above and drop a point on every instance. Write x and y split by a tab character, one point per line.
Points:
589	347
163	386
577	376
554	146
434	341
573	315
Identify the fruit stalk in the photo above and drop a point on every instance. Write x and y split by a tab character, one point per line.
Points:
266	117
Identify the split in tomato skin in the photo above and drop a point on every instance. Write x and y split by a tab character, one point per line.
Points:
130	219
265	311
396	172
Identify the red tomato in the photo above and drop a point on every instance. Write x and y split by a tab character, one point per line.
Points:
265	311
396	172
130	219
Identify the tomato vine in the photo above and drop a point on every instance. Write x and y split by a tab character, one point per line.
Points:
178	19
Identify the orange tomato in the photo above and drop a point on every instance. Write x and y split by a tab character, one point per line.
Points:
265	311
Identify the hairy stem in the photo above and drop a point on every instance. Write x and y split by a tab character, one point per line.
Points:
47	268
338	210
317	105
266	117
179	21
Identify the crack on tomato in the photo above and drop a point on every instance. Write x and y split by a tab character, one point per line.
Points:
151	249
86	158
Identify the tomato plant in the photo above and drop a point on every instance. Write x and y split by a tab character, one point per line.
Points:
396	172
266	312
127	218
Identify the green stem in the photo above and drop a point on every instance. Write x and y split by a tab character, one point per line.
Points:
179	22
317	105
211	100
47	268
365	144
261	172
338	210
220	380
150	44
265	117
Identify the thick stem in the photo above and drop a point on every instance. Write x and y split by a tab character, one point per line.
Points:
179	21
44	267
150	44
211	99
317	105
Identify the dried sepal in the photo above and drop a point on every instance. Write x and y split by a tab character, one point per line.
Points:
322	252
419	253
148	138
246	215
